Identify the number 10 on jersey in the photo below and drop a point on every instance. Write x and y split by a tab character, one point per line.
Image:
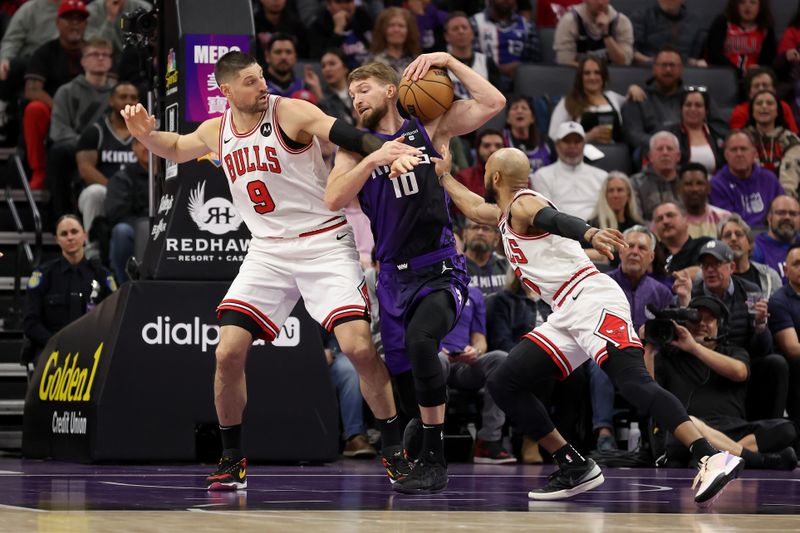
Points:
405	185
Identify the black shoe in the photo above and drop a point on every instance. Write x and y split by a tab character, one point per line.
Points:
230	475
569	481
412	439
425	478
395	463
786	459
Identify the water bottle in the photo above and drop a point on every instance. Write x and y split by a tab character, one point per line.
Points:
634	437
94	296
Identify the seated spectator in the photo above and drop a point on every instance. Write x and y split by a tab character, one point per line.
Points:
76	105
549	12
468	366
395	39
62	290
280	57
103	149
668	23
658	181
777	148
521	132
351	403
699	141
640	290
507	38
460	38
340	24
783	225
336	100
766	396
742	186
709	376
596	29
52	65
760	79
488	142
487	269
661	110
125	206
616	209
743	36
676	250
572	185
277	16
430	23
693	188
591	104
735	232
784	322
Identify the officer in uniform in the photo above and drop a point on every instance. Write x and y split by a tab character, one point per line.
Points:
62	290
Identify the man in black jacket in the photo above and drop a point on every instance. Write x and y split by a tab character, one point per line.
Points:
126	202
747	326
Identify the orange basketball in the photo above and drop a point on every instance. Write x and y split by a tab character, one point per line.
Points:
429	97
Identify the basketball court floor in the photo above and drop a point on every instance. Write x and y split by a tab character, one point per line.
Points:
355	496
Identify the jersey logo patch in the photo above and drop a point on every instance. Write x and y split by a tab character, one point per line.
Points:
615	330
217	215
266	129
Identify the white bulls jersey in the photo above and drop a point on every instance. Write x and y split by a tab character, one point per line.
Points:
550	265
276	188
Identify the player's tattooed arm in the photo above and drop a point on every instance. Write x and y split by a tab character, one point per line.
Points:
472	205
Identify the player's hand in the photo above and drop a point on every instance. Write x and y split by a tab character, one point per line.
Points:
140	123
420	66
683	339
606	241
403	164
392	150
443	164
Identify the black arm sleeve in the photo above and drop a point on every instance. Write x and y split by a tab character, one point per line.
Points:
557	223
353	139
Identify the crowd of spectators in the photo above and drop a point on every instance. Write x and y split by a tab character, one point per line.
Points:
710	209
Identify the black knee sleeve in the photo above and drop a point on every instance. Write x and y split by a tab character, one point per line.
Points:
626	369
513	383
776	438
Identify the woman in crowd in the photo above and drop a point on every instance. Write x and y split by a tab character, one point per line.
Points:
592	104
395	39
743	36
616	209
336	99
778	148
700	142
521	132
760	79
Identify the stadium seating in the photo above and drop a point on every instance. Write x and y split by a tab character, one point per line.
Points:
617	157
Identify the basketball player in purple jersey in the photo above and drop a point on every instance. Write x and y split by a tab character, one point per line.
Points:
422	284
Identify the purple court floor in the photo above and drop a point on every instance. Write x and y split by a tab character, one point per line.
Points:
361	485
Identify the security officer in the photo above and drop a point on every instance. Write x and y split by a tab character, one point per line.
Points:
60	290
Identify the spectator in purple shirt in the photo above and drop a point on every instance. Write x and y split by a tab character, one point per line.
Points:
640	289
742	186
468	367
783	221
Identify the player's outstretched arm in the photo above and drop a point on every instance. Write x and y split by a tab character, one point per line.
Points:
472	205
464	116
172	146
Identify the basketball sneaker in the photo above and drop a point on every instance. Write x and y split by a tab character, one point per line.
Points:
492	452
395	463
715	473
229	475
568	481
412	439
425	478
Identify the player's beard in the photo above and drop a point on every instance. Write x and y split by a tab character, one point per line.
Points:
491	194
372	119
258	107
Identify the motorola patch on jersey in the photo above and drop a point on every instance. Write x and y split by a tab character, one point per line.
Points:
266	129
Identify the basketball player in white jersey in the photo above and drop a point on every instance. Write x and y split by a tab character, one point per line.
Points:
591	318
273	164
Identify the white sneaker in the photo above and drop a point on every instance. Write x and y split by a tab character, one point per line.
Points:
715	473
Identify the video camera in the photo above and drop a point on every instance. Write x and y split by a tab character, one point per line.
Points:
139	26
660	330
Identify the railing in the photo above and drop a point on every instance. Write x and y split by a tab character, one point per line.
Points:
33	255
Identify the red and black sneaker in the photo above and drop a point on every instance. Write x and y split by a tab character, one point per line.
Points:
396	463
229	475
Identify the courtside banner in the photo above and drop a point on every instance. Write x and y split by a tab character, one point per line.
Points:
142	383
203	98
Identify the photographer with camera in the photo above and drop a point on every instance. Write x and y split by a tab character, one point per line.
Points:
748	326
691	358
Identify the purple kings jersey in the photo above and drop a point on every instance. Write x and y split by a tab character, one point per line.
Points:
410	214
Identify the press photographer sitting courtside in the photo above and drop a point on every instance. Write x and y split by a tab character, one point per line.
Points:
709	376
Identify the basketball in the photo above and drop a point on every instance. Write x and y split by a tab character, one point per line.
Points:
429	97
